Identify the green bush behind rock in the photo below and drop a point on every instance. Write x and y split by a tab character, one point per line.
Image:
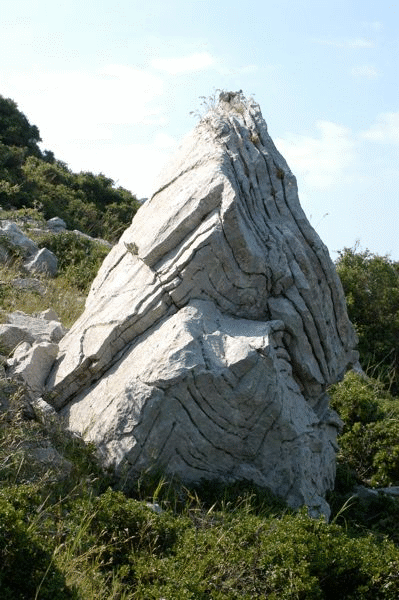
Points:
79	258
371	286
369	443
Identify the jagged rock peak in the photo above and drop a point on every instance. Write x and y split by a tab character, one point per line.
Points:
215	325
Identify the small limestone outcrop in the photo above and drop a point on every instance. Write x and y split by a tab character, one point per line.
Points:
12	240
12	236
20	327
44	262
33	342
56	224
214	326
31	364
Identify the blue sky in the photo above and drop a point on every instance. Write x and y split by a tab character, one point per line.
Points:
111	86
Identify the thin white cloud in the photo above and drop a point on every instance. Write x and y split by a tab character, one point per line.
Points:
346	43
361	43
199	61
227	71
321	161
79	105
137	166
248	69
385	130
164	141
373	25
368	71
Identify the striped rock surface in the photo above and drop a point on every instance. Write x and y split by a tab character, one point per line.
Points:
215	325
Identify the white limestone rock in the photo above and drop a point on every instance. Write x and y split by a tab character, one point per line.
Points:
31	363
43	326
29	285
56	224
12	236
44	262
20	327
215	325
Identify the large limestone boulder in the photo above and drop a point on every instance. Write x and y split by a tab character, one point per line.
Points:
214	326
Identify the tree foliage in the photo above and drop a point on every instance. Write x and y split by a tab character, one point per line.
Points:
15	129
369	444
371	286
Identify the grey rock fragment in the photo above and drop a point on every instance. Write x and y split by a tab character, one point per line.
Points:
14	237
29	284
390	491
44	261
56	224
44	412
22	328
12	335
366	493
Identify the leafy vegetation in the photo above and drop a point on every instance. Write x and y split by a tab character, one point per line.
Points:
369	444
77	538
79	258
371	286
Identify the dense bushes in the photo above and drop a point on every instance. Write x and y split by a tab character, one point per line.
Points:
110	546
371	286
74	538
79	258
85	201
369	444
26	565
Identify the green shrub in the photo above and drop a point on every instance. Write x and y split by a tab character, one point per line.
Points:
371	286
378	514
372	450
294	557
221	496
26	564
31	178
110	546
358	399
79	258
125	527
85	201
369	443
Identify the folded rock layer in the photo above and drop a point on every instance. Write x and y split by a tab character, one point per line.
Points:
215	325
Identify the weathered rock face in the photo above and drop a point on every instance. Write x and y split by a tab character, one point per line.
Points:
215	325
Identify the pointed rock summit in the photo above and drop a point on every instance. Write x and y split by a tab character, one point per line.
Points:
215	325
